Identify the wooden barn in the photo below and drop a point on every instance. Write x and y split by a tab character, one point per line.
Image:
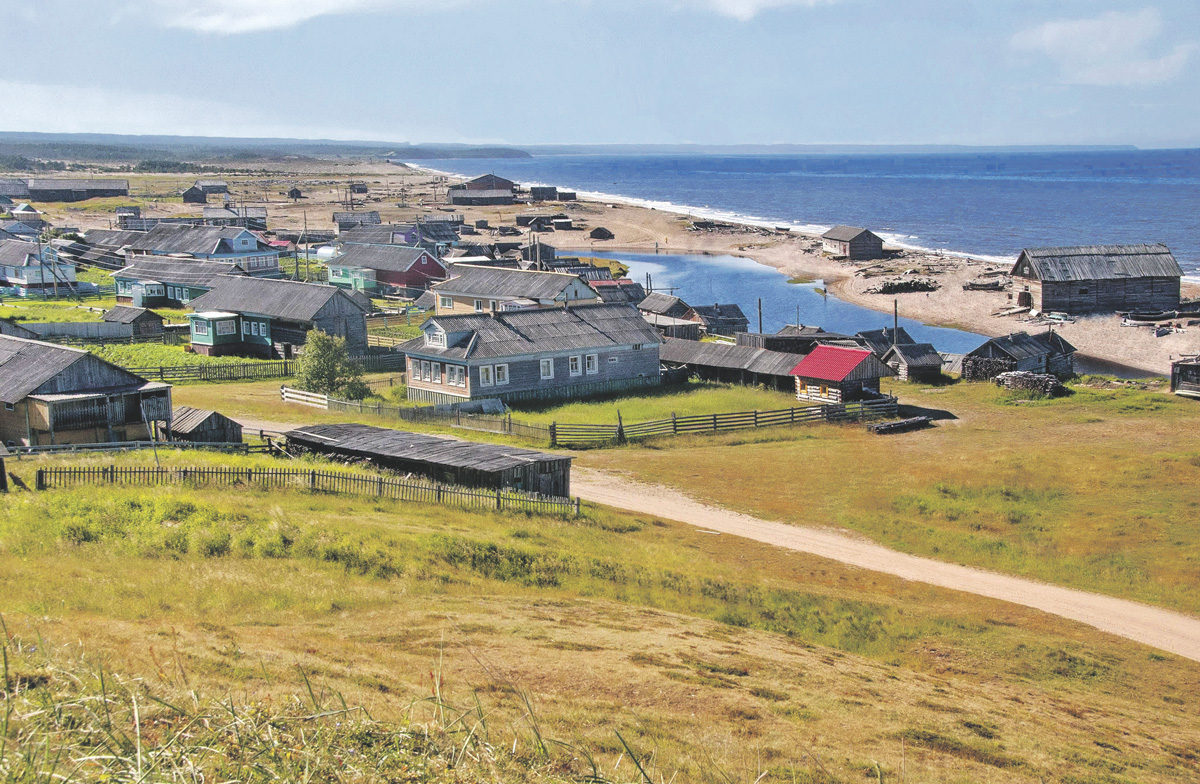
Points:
852	242
831	374
486	182
600	233
543	193
143	321
1185	377
295	193
75	189
718	319
795	339
447	460
195	195
914	361
664	305
198	426
1045	352
212	186
668	327
1097	279
731	364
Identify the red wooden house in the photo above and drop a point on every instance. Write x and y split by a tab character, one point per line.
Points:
831	374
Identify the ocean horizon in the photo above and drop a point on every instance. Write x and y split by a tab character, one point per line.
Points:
984	205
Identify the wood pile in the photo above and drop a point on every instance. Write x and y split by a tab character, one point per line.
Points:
904	286
984	368
984	285
1045	383
900	426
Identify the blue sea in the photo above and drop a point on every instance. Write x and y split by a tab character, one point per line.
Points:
984	205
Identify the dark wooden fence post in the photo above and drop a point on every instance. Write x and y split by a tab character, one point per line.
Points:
499	498
674	431
577	506
553	434
40	484
620	429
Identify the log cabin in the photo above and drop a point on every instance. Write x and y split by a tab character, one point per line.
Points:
1097	279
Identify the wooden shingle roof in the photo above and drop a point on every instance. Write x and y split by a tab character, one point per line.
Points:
475	281
27	365
914	355
1097	262
657	302
844	233
721	355
286	300
1022	345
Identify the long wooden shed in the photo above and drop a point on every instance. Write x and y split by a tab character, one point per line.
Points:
442	459
1097	278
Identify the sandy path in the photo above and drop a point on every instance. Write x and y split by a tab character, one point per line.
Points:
1163	629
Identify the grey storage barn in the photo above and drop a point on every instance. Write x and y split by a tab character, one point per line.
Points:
75	190
1097	278
914	361
1185	377
731	364
144	322
852	243
1046	352
196	425
441	459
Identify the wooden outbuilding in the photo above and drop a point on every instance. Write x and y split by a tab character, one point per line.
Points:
731	364
795	339
601	233
197	425
662	304
852	242
195	195
447	460
914	361
1097	278
143	321
1185	377
717	319
295	193
831	374
1045	352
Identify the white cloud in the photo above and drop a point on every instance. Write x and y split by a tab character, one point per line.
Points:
1110	49
745	10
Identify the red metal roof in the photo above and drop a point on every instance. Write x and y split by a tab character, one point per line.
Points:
830	363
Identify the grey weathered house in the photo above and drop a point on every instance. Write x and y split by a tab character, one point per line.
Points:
194	195
532	354
141	320
54	394
1045	352
853	243
914	361
1097	278
718	319
474	289
664	305
197	425
350	220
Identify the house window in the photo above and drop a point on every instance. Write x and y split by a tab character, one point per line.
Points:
245	327
445	302
491	304
824	390
227	327
592	364
485	376
637	346
435	338
478	306
613	360
501	374
547	369
426	373
574	365
200	327
455	375
10	406
436	370
1083	291
185	295
254	328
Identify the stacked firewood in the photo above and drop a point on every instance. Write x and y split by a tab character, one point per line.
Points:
1045	383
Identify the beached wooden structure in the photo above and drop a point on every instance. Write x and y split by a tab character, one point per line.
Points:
198	425
852	242
914	361
447	460
1185	377
1097	278
832	374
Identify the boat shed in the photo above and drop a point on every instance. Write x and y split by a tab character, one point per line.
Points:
447	460
1097	278
731	364
198	425
852	242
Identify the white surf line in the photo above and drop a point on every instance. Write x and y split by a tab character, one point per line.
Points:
1164	629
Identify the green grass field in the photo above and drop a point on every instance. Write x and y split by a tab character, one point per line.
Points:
715	659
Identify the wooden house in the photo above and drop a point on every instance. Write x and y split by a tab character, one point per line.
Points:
228	244
253	218
914	361
54	394
794	339
486	182
478	198
21	230
566	196
619	290
831	374
378	234
198	426
271	318
366	267
75	189
446	460
212	186
719	319
878	341
151	282
539	354
731	364
141	320
350	220
601	233
543	193
668	327
1185	377
1097	278
358	188
664	305
129	210
851	242
194	195
476	289
295	194
30	267
1045	352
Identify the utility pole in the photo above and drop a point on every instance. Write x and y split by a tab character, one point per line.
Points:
759	315
307	245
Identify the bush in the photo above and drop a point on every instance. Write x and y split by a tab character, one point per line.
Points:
326	367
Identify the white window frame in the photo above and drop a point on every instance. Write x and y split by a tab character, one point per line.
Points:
492	305
435	369
200	327
456	375
501	375
254	328
546	369
445	302
245	327
478	306
436	338
575	365
486	377
591	364
222	330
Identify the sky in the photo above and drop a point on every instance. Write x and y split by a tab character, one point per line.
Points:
975	72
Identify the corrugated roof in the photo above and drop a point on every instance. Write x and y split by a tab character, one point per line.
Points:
369	217
915	354
831	363
437	231
18	253
282	299
183	238
501	282
1098	262
112	238
368	441
657	302
14	188
527	332
843	233
235	212
720	314
185	272
722	355
376	234
393	258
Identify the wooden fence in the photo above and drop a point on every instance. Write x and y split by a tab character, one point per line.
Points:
250	371
582	435
314	481
130	446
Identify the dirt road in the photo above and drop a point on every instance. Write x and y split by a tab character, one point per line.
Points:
1163	629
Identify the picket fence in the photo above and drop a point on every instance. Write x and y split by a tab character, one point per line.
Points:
421	492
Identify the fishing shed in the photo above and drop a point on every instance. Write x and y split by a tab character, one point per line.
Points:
832	374
852	242
1185	377
198	425
1097	278
447	460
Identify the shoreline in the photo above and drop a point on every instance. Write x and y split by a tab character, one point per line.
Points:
1103	344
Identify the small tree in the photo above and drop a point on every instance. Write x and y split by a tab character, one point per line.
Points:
326	367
